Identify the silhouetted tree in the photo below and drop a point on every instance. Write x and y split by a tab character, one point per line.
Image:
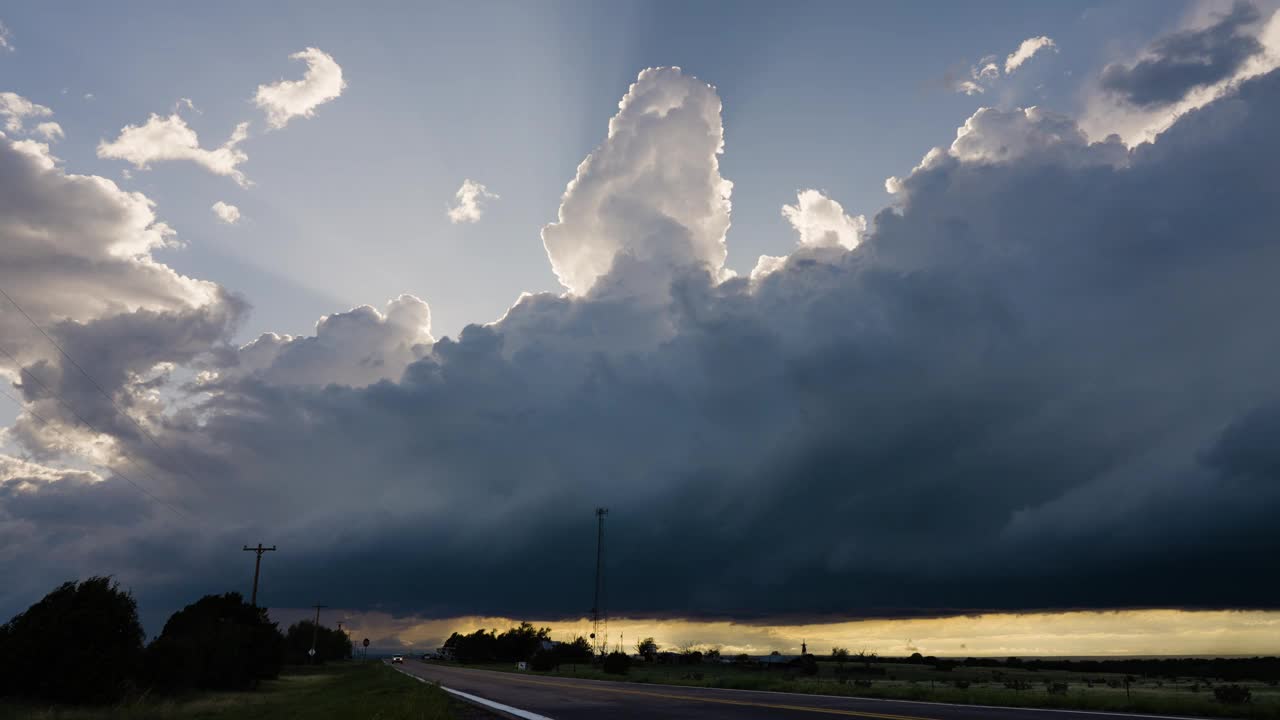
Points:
617	663
82	643
520	642
577	651
840	655
647	648
513	645
331	644
219	642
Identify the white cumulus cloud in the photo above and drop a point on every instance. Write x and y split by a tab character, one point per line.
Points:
470	197
15	109
670	214
6	38
822	222
287	99
229	214
356	348
170	138
1026	51
50	131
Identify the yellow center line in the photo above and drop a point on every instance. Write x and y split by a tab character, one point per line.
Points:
722	701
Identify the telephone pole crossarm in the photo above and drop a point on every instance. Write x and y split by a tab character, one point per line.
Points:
257	568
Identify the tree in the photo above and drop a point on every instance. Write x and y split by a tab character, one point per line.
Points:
647	648
520	642
331	644
82	643
573	652
840	655
479	646
219	642
617	663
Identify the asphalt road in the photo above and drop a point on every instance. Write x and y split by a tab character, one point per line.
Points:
574	699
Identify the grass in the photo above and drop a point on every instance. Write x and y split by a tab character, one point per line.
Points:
347	690
986	687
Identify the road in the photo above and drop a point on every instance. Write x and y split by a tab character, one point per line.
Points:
575	699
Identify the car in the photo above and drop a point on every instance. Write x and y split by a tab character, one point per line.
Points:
397	660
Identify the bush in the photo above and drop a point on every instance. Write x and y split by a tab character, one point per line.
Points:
961	684
578	651
544	660
616	663
81	644
1232	694
1058	688
219	642
1017	685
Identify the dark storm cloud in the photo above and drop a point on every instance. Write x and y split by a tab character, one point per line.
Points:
1042	381
1181	61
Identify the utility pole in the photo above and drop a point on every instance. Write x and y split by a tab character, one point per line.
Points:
257	568
597	613
315	630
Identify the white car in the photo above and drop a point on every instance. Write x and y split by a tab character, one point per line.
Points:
397	660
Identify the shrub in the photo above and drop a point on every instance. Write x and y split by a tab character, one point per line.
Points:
961	684
574	652
1058	688
219	642
82	643
1232	694
862	683
544	660
616	663
1017	685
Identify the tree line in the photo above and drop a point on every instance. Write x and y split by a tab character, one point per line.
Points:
82	643
522	643
1263	669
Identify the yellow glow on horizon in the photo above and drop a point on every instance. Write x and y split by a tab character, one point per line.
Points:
1086	633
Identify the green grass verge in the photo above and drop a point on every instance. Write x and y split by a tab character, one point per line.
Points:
371	691
914	682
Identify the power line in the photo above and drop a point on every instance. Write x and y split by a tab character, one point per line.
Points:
89	377
21	405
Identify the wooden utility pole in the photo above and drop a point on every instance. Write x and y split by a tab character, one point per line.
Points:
315	630
257	568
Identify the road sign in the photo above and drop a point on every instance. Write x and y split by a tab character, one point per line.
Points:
366	642
312	652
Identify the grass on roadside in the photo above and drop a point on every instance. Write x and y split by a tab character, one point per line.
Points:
913	682
371	691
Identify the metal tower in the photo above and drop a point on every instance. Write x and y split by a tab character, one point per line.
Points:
598	615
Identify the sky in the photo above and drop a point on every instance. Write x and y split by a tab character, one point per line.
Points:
851	313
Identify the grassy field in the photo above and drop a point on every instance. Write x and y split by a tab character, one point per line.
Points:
986	686
371	691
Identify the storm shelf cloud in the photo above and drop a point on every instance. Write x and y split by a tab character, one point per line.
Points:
1039	379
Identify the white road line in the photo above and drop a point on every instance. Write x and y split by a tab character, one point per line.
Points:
496	705
514	712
